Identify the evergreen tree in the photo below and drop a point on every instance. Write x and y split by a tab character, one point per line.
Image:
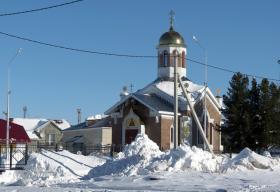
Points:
254	103
275	113
252	115
265	114
237	132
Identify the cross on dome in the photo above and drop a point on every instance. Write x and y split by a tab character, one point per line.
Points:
171	18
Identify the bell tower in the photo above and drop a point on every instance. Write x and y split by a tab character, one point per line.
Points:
171	50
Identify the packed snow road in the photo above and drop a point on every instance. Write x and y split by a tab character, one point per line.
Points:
143	167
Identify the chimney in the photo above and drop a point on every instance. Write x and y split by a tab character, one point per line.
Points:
219	98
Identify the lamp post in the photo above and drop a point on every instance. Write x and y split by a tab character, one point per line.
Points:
205	79
8	103
175	102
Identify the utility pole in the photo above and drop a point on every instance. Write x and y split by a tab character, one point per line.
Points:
196	119
8	104
205	83
79	112
279	73
175	120
175	103
24	111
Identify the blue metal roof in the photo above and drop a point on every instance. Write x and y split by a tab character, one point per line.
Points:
105	122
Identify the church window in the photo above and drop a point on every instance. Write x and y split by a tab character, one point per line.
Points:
165	59
183	59
179	60
160	60
175	57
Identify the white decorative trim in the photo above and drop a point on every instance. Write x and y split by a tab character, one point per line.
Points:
167	113
169	72
167	117
213	104
136	118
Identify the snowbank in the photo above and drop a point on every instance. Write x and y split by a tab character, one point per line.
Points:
132	161
248	159
142	146
186	157
143	157
48	168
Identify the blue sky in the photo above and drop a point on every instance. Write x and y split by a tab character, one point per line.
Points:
53	83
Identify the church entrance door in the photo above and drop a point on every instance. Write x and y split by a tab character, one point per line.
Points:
130	135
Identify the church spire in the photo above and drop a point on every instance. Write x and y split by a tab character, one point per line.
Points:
171	18
171	50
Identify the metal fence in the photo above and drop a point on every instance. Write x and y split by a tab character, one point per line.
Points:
93	149
13	157
77	148
16	156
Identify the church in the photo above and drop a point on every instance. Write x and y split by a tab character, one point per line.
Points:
150	110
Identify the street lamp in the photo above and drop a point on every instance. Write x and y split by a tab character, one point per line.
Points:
205	78
175	121
8	103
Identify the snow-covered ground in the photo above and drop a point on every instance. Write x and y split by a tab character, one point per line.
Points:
143	167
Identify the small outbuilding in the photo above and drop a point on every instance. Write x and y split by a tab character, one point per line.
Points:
17	134
89	136
18	143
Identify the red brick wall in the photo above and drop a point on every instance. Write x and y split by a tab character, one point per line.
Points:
166	124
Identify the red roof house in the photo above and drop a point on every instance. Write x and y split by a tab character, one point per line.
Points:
17	133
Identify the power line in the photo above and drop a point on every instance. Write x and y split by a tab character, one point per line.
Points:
40	9
76	49
125	55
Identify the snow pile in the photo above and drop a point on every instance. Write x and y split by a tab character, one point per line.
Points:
248	159
132	161
41	170
143	157
186	157
142	146
49	167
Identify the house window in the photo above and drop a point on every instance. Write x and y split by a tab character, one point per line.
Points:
165	59
171	135
51	139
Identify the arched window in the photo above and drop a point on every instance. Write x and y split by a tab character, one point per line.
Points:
160	60
183	59
165	59
179	59
175	57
